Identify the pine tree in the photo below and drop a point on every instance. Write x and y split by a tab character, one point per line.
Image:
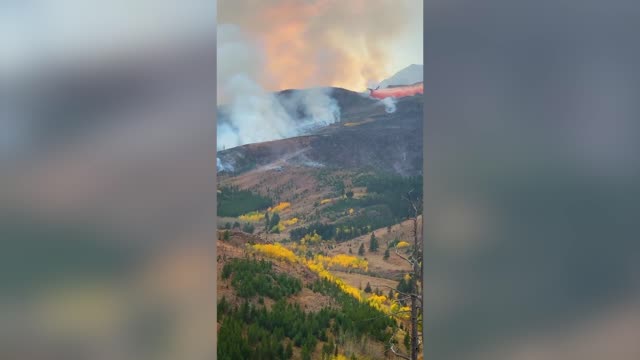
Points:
267	221
275	220
248	228
373	243
386	254
361	250
367	288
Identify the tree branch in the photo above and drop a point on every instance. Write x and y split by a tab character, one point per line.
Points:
391	347
398	354
417	296
402	257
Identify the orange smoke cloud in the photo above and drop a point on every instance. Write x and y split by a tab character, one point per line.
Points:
319	43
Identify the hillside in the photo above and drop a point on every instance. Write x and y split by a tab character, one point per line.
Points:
321	222
367	137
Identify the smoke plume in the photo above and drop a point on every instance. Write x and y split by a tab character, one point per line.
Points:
251	113
389	104
310	43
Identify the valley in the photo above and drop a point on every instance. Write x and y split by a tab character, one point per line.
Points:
328	217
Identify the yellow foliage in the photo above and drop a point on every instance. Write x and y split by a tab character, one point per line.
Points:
407	277
401	312
405	312
339	357
298	248
395	307
290	222
316	266
319	266
380	299
343	260
351	211
276	251
280	207
252	216
311	238
325	201
402	244
378	302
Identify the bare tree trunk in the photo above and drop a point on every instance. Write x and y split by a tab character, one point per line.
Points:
414	329
414	292
422	269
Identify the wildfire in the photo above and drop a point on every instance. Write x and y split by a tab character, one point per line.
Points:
320	43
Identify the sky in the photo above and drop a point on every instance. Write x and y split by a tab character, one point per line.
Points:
285	44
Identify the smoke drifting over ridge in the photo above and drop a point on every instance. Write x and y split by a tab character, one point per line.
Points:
311	43
270	45
253	114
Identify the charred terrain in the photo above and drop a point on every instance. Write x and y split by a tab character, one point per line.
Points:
325	219
367	137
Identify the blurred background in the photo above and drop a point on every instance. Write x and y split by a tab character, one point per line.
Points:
107	182
531	165
107	168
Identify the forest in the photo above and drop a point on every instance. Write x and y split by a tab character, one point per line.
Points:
385	204
234	202
251	331
251	278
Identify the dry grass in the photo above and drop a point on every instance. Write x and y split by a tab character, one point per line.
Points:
390	268
360	281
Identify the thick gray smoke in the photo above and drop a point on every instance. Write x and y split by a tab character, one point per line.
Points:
253	114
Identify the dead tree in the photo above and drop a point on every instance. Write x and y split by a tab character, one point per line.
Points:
415	293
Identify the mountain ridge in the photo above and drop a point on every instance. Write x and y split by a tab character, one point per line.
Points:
411	74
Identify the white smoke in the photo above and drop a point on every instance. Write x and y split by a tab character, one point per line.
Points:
254	114
319	107
221	166
389	104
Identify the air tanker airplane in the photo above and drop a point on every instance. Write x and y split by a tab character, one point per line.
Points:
397	91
